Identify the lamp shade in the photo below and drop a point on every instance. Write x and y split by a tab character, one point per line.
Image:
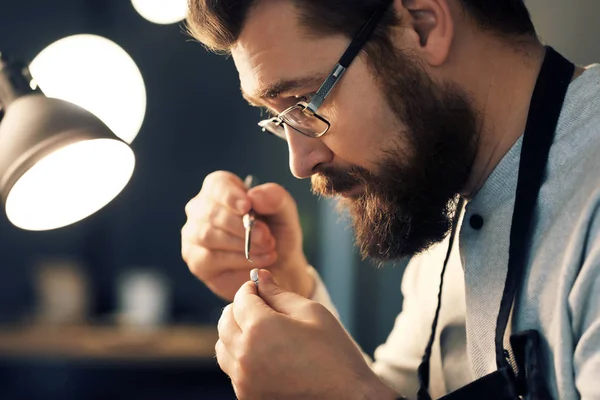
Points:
58	163
97	74
162	12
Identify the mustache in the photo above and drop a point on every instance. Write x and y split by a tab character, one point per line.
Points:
330	181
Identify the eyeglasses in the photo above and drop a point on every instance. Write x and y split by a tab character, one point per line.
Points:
303	116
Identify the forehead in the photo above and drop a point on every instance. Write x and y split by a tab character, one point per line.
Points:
274	48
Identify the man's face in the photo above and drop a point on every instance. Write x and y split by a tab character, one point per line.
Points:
400	146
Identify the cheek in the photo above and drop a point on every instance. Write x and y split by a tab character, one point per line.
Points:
360	131
363	125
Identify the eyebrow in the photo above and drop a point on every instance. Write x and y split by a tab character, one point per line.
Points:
274	90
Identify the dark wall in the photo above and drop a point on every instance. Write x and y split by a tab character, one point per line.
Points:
196	122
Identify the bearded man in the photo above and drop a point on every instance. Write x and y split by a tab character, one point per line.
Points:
449	133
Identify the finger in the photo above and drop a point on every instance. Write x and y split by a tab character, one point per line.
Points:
248	307
227	189
223	188
216	215
224	358
205	263
215	235
277	298
229	331
274	201
227	283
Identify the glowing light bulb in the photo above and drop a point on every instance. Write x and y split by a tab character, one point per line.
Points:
98	75
69	184
162	12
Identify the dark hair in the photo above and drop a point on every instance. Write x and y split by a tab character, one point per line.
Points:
218	23
506	17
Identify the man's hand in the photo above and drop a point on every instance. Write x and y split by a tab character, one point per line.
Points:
276	344
212	240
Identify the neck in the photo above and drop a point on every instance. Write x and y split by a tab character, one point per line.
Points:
502	98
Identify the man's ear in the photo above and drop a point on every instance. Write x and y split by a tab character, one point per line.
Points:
430	26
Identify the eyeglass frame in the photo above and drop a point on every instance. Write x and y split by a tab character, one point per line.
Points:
310	109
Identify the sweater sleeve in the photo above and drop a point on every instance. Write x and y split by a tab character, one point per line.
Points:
584	306
396	361
321	295
398	358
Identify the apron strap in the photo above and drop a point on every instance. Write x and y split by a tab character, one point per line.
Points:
546	105
423	371
545	108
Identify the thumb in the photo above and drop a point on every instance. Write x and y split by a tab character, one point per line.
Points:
275	296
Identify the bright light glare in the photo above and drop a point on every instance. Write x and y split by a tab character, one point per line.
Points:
70	184
98	75
161	11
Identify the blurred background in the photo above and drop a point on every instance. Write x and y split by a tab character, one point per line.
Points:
107	307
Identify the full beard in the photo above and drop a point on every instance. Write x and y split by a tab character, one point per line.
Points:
407	206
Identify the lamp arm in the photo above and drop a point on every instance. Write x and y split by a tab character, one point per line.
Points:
15	81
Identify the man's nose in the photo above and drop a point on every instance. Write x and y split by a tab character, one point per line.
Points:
306	153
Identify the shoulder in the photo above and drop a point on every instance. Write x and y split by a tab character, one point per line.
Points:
574	163
579	122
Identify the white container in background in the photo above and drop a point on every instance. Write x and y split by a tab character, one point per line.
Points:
143	298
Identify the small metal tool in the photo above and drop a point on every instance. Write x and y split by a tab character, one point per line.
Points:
249	218
254	276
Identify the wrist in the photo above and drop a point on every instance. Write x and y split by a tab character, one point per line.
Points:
306	282
296	277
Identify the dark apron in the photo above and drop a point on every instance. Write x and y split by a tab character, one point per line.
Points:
521	375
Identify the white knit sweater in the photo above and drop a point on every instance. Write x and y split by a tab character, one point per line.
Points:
560	296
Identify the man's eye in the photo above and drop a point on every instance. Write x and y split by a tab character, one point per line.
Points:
266	112
304	99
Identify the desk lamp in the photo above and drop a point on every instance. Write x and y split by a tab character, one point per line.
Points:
59	163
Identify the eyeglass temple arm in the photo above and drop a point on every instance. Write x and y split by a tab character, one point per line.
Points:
347	58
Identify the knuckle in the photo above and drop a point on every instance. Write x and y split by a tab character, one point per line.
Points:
220	355
239	302
244	359
214	214
210	178
186	232
314	308
227	314
197	264
185	252
258	329
320	312
194	207
218	348
230	199
243	385
216	177
203	234
189	207
195	269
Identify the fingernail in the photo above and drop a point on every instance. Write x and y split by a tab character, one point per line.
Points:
267	278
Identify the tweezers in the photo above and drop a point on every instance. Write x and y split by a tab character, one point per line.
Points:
248	218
